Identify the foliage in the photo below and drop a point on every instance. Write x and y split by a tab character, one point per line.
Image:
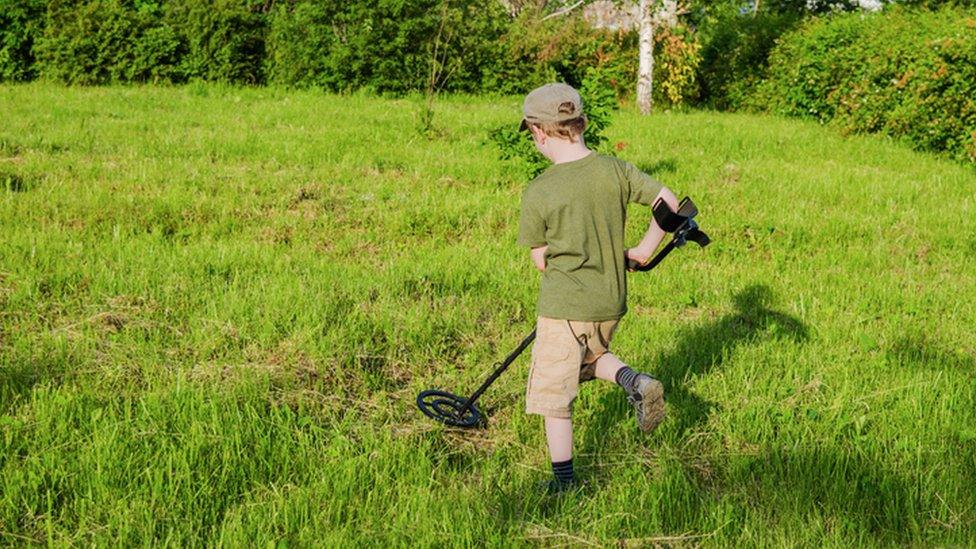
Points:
378	45
535	50
735	55
803	7
106	41
382	45
599	103
21	23
225	39
94	43
677	57
905	73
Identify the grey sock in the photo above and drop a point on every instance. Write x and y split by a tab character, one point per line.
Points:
626	378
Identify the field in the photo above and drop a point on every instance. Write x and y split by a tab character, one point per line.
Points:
218	305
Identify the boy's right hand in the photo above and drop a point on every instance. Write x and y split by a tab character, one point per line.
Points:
636	257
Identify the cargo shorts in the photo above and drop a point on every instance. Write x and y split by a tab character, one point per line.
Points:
563	355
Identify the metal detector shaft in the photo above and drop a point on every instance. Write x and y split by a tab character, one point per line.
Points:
450	409
529	338
498	371
653	262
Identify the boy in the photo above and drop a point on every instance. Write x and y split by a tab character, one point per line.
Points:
572	218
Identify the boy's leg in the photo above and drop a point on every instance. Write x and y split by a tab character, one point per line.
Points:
551	390
607	367
643	391
559	436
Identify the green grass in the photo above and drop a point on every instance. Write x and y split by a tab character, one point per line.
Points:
217	307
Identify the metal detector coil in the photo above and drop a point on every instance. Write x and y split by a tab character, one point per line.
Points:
448	408
456	411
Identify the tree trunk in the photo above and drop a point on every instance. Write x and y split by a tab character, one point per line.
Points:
645	71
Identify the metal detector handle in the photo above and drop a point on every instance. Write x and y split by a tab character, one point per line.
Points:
635	266
681	223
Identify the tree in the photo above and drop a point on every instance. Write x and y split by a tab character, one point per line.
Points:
652	13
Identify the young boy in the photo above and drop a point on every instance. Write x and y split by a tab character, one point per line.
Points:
572	218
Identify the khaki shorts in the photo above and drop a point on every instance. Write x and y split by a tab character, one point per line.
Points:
563	355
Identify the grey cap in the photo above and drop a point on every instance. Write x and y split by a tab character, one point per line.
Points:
549	104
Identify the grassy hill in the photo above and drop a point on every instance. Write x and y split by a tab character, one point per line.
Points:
217	307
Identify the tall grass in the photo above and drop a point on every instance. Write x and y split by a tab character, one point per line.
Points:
217	306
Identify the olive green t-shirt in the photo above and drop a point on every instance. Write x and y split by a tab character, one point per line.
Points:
578	209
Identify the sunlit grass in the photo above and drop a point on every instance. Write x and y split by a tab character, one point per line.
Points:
217	306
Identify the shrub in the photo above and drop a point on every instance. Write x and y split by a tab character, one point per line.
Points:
108	41
87	42
677	56
905	73
535	51
225	39
383	45
735	55
21	23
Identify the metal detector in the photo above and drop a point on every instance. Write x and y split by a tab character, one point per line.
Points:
461	412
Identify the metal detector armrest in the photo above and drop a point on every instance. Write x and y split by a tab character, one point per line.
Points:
681	223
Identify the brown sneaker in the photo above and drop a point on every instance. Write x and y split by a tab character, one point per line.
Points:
648	401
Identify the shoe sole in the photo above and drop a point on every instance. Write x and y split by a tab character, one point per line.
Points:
651	406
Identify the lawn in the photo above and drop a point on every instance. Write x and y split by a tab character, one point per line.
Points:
217	306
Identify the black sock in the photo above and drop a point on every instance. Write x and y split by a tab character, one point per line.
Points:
563	470
626	378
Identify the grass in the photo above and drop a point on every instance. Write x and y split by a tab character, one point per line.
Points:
217	306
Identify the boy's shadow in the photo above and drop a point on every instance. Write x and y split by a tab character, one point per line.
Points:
698	351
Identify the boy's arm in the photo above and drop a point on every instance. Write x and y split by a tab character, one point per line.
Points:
539	257
532	231
642	252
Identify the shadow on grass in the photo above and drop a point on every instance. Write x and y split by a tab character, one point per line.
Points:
699	350
23	369
918	352
828	488
667	165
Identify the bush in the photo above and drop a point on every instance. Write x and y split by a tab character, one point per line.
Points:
677	56
110	41
535	51
224	40
735	56
383	45
88	42
21	24
905	73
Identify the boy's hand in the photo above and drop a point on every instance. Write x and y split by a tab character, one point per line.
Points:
539	257
638	255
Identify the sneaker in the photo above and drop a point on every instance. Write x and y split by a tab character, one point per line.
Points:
648	401
555	487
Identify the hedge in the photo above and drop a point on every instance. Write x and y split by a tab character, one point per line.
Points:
378	45
906	73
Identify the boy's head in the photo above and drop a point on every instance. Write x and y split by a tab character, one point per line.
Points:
553	111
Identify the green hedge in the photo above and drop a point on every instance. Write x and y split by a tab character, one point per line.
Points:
21	23
735	55
906	73
379	45
386	45
383	45
109	41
